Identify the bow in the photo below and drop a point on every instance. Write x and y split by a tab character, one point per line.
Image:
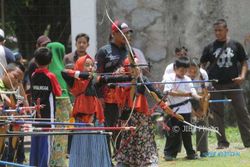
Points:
201	111
133	68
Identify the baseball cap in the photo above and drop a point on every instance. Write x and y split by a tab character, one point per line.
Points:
1	33
42	40
121	25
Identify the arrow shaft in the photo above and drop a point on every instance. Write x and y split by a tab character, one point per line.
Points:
46	123
220	101
225	90
83	128
17	116
13	164
16	133
163	83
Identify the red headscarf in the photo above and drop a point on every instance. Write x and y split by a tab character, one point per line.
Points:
79	65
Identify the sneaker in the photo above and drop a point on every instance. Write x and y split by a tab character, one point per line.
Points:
169	158
203	154
222	145
246	146
192	156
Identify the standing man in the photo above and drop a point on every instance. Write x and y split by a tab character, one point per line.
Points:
109	59
82	43
223	55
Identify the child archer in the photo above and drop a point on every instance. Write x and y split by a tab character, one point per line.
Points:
86	108
178	97
45	86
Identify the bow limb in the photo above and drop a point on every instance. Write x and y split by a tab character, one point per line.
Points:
202	110
132	61
165	107
124	36
202	128
205	101
11	84
135	72
134	68
3	130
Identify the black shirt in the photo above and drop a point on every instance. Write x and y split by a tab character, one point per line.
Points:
41	88
226	66
110	57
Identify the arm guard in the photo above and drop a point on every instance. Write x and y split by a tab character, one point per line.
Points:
114	79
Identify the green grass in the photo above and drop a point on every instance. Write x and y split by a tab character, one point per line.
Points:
242	158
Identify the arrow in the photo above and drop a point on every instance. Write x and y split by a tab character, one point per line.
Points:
82	128
150	83
10	133
45	123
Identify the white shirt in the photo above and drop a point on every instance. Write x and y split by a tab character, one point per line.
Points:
169	69
202	75
3	60
140	56
179	87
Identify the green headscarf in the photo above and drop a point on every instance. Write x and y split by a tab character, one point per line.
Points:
56	65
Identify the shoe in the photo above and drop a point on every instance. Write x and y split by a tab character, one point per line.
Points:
169	158
192	156
203	154
223	145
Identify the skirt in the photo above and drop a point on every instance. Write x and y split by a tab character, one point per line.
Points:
141	149
60	142
89	150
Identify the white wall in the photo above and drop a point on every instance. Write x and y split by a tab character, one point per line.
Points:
83	20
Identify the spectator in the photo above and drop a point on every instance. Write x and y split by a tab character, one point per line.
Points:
223	56
82	43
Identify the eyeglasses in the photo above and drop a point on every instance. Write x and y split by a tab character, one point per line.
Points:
89	65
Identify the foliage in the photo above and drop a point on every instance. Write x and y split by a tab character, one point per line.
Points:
28	19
